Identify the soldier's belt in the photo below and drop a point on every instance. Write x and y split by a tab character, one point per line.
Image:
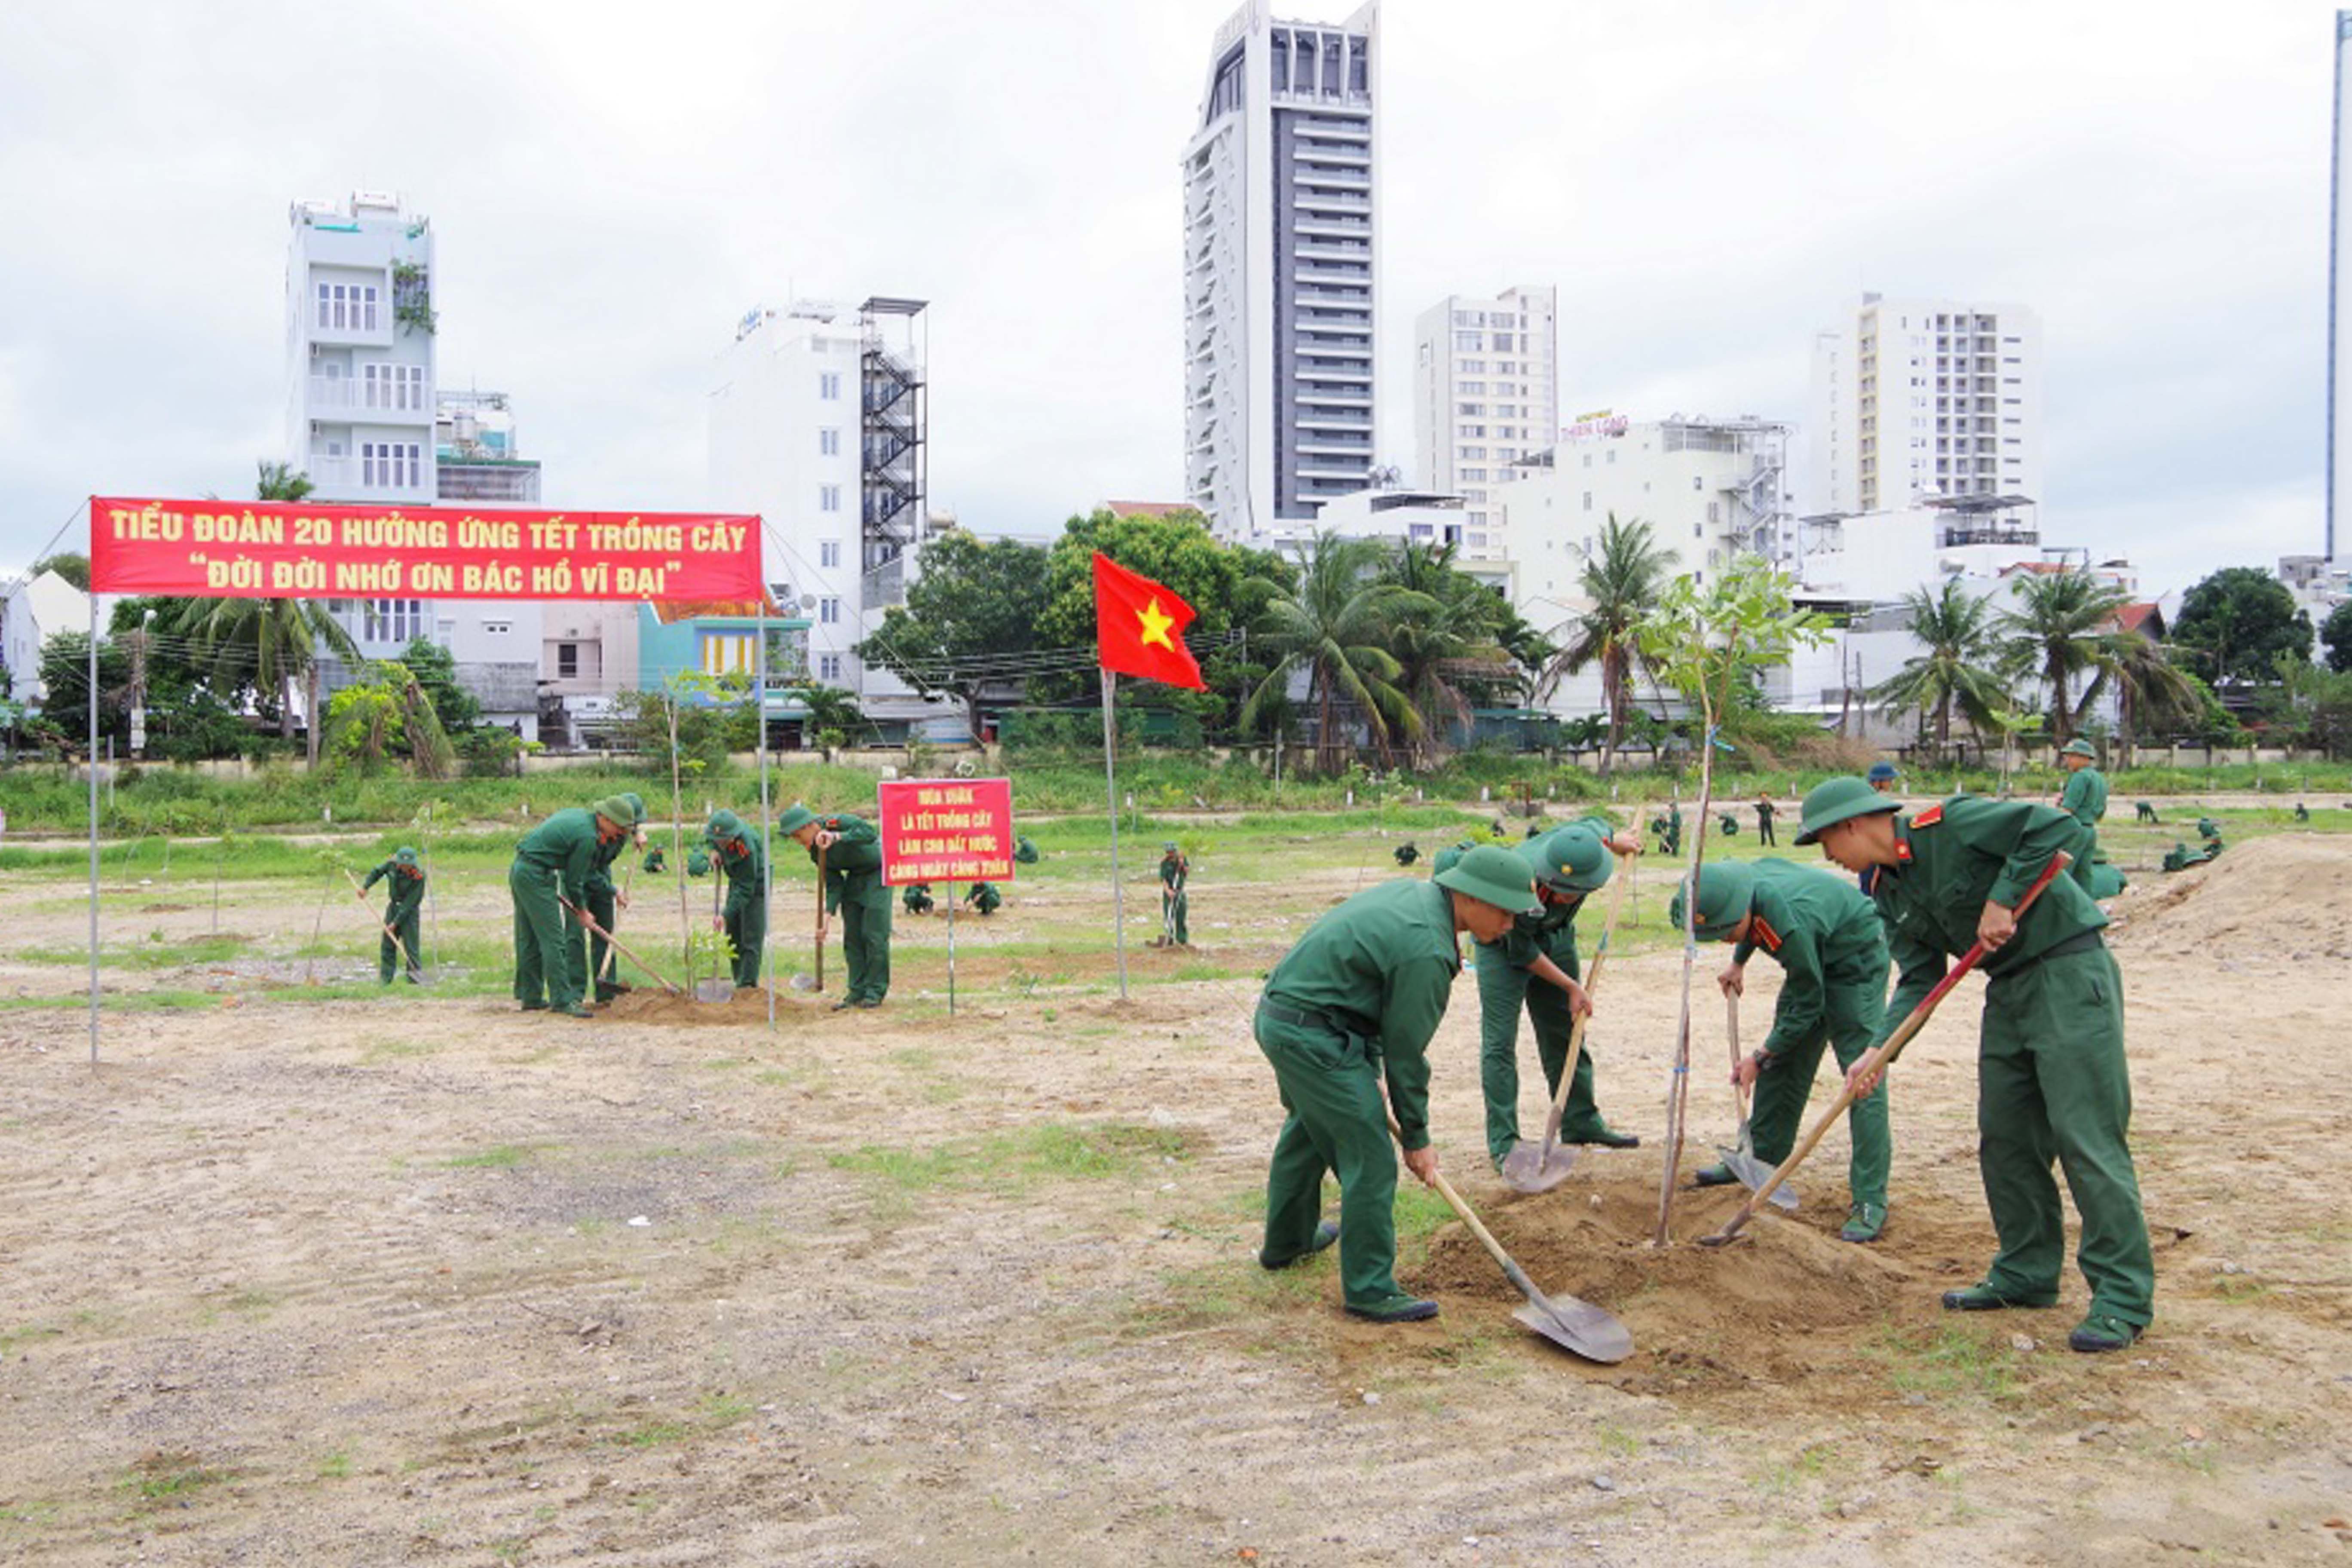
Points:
2081	941
1299	1020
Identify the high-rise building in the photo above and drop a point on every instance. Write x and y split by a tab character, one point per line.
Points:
1486	393
2339	318
361	408
1280	270
1927	399
818	423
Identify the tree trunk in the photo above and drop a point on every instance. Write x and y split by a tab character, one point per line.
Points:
2062	715
310	720
1612	697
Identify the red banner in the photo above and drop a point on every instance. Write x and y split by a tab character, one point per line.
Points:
947	830
299	550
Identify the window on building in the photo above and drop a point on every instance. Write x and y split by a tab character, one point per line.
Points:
828	611
828	385
828	443
1474	451
828	552
1471	388
567	661
1588	500
391	465
1469	408
723	653
497	629
1471	341
828	497
391	620
1506	343
828	667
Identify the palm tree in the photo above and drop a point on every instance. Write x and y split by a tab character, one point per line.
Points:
1955	629
267	643
1336	628
1621	580
2061	628
1445	632
2150	687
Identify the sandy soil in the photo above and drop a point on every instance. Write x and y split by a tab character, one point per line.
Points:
358	1281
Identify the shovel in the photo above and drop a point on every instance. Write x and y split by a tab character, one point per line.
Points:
1577	1327
1741	1162
407	964
1878	1059
624	953
1540	1167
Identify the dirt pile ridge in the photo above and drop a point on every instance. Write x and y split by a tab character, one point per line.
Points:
2286	893
747	1008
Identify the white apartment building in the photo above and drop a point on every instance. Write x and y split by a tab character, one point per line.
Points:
1923	398
2340	313
1280	246
1486	393
818	423
1710	489
360	416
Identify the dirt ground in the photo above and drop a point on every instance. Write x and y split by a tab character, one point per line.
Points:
289	1281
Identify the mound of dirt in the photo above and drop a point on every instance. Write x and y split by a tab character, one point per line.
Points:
2280	894
747	1009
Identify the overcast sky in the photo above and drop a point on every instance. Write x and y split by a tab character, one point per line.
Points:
611	187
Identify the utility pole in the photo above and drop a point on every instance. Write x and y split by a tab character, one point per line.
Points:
138	689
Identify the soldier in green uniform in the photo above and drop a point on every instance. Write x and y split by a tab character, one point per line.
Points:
1827	939
1883	778
1567	864
1173	870
1406	853
552	863
603	901
1024	852
983	899
407	888
2052	1081
917	898
1670	829
2208	828
2179	858
654	864
2301	813
737	852
1764	810
1353	1005
2084	799
853	889
2147	811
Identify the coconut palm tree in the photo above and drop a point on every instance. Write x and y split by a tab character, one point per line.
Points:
1337	627
1621	581
1445	630
2151	689
1955	629
2060	629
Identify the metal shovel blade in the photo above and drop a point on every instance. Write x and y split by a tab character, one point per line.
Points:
719	990
802	983
1578	1327
1753	1174
1524	1169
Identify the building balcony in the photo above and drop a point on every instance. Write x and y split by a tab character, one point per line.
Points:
348	399
348	479
1356	156
1324	226
1331	400
1337	473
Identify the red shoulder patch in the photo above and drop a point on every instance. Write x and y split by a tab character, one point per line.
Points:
1928	817
1766	937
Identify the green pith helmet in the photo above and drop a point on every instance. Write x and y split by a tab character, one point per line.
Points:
724	826
616	809
1883	773
1169	848
796	816
1727	890
637	806
1569	861
2079	747
1451	857
1827	804
1492	875
404	856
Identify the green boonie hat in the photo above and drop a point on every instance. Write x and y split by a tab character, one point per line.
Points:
2079	747
796	816
1569	861
617	809
1827	804
1492	875
1726	893
404	855
723	824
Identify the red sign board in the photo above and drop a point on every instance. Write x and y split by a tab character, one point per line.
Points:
302	550
947	830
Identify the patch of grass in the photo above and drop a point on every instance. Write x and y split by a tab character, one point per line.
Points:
2239	1288
1014	1161
498	1157
335	1467
1614	1439
1946	1363
650	1435
168	1476
11	1339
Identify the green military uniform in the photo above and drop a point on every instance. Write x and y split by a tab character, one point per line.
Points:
739	852
2208	828
917	896
1406	853
1352	1005
2301	813
2147	812
1173	870
2084	798
655	863
2179	858
1729	824
407	888
1826	937
853	888
1568	864
1764	811
984	897
1024	852
600	899
2052	1078
1670	829
553	862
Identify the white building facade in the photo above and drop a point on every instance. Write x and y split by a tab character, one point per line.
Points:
1280	270
362	404
2339	314
1921	398
1486	393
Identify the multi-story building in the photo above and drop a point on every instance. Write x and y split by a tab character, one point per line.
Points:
1925	398
361	409
818	423
1280	242
476	455
1486	393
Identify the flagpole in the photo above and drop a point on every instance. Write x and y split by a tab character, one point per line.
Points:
1110	786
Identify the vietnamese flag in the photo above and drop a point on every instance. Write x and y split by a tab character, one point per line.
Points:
1140	627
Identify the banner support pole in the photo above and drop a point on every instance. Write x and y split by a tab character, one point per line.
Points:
1110	786
93	824
767	846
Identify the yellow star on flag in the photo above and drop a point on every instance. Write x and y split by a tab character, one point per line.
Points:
1155	624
